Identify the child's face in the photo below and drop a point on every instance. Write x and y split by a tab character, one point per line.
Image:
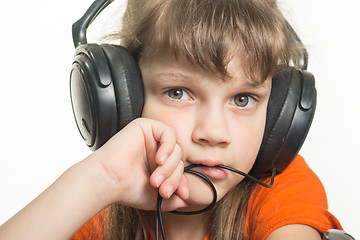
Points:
216	121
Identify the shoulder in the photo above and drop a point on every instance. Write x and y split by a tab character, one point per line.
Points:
296	185
297	197
294	231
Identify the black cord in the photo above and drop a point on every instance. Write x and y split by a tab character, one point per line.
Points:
251	177
159	219
206	179
212	188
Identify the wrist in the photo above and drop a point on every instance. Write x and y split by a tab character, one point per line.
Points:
107	181
98	183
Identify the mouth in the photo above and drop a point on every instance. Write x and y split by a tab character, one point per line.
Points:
213	172
209	169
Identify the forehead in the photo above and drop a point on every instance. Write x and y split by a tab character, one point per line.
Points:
169	65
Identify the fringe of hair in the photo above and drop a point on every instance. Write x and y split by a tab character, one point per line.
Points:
210	33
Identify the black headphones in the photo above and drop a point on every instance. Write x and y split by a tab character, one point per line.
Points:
107	93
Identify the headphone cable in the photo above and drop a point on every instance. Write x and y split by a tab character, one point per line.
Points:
188	169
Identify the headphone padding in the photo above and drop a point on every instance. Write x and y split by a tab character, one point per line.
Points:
127	81
284	97
300	126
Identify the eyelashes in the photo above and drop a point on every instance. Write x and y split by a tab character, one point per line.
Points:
177	94
242	100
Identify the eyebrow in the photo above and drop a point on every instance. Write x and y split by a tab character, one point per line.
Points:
248	83
174	76
253	84
185	77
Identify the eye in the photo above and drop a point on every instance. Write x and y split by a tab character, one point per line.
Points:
243	101
177	94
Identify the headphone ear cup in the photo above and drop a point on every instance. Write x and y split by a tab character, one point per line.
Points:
127	80
290	112
93	95
106	91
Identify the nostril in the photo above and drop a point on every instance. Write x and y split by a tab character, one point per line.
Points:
212	136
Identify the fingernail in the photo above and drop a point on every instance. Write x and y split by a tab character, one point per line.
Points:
169	191
187	193
159	180
163	159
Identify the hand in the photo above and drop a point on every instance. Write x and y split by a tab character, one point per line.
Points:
127	170
142	159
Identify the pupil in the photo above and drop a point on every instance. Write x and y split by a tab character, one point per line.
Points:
242	101
177	94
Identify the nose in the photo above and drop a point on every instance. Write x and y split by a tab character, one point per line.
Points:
211	127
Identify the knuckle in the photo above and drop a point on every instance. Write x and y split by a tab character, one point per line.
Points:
171	131
181	165
178	148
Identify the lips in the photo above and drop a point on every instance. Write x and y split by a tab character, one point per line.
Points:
214	172
209	168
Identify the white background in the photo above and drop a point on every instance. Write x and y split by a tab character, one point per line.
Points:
39	139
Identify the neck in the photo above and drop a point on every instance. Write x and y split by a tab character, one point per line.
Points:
192	227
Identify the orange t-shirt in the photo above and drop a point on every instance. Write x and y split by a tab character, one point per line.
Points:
297	197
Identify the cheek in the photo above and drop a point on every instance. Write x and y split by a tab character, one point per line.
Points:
180	121
248	136
146	113
153	109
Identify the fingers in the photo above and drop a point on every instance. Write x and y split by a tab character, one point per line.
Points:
183	189
169	177
164	157
173	203
178	200
171	184
166	136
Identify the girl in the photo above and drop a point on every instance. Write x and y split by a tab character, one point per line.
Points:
207	68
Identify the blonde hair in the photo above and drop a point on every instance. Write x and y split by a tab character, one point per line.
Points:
227	219
208	33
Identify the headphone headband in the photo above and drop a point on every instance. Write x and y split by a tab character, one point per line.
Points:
79	28
302	52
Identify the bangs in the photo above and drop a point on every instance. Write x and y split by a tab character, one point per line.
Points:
210	33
